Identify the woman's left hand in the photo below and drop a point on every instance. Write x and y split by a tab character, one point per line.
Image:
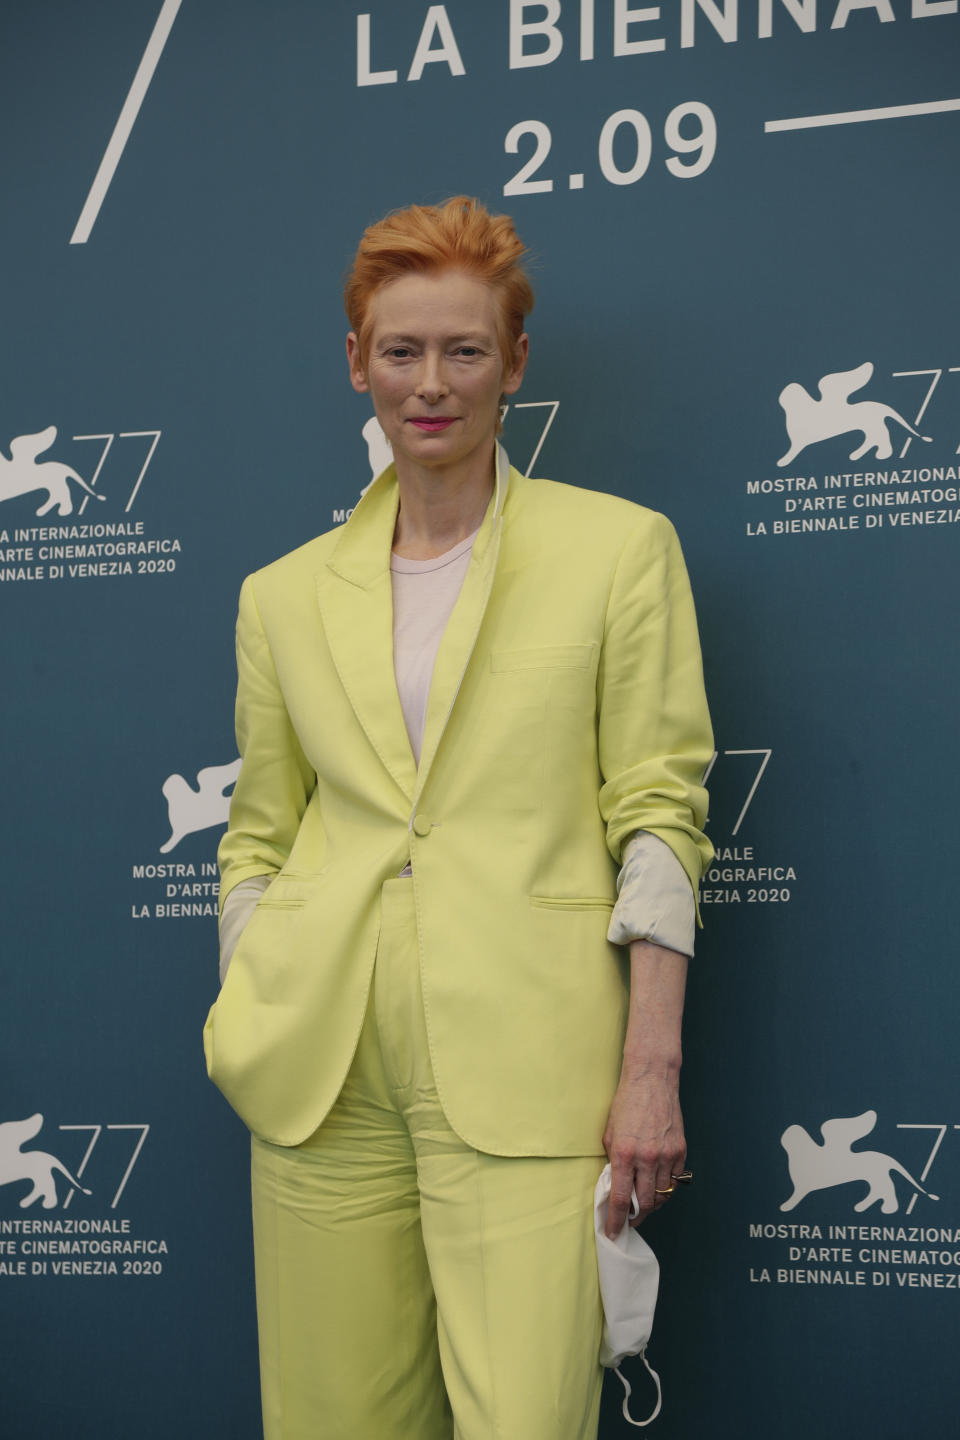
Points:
644	1142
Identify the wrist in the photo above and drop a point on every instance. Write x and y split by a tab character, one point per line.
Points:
642	1064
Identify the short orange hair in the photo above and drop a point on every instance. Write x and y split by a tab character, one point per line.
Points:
460	234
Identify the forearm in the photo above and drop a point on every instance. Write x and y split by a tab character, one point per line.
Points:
657	983
644	1137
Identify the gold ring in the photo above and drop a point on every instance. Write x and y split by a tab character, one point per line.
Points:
665	1192
684	1178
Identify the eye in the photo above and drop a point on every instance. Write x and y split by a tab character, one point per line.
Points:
399	352
467	351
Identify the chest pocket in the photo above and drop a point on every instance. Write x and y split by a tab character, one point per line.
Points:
542	657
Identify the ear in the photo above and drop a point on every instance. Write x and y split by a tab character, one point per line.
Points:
358	378
513	378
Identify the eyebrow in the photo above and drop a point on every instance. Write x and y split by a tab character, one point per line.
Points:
474	336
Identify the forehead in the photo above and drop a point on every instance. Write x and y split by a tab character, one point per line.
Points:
449	300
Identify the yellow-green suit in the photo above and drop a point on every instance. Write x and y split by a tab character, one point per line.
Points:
566	712
389	1041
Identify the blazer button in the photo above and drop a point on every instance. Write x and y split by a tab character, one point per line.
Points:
421	825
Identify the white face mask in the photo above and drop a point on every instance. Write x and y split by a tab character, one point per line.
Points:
629	1280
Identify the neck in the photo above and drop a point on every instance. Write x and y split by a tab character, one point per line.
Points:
439	508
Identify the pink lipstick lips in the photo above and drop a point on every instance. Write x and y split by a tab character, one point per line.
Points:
432	425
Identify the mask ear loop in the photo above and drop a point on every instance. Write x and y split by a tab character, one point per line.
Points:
627	1390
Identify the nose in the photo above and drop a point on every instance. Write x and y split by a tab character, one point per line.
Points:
431	382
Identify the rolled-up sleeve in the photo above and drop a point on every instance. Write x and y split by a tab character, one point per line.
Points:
654	899
654	733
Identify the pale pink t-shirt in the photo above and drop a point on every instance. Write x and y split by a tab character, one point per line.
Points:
424	594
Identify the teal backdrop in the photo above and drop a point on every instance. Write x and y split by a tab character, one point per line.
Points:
744	221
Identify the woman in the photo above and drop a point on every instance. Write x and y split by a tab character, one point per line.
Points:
458	713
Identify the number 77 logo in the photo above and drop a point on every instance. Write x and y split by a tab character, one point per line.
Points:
765	754
95	1133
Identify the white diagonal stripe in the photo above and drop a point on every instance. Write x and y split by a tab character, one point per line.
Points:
125	122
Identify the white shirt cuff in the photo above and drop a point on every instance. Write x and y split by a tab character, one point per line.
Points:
237	909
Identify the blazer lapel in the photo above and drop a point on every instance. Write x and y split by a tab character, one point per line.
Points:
463	627
356	605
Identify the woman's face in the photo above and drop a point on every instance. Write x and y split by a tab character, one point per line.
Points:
434	368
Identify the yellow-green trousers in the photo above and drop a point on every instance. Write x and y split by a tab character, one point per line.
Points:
408	1286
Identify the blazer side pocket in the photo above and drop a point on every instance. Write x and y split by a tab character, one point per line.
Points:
288	892
574	902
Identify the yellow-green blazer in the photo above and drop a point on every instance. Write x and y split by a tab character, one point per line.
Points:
566	711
